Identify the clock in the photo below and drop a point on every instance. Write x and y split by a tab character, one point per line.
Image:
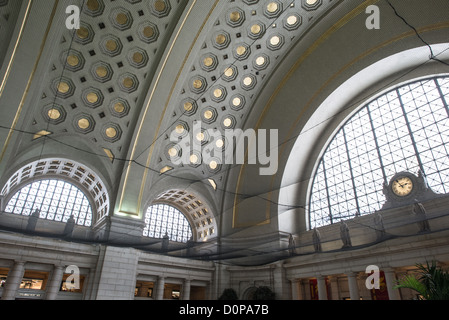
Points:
406	188
402	185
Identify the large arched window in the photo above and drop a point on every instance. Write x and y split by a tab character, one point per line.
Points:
58	188
55	200
162	219
406	129
193	208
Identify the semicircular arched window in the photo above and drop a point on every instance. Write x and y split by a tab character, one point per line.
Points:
55	200
406	129
162	219
57	185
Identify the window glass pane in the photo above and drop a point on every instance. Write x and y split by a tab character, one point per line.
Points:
163	219
406	129
45	196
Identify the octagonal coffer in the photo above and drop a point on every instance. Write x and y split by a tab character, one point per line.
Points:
54	113
92	97
273	9
128	82
138	58
221	39
119	107
111	45
73	60
84	123
160	8
198	84
111	132
63	87
235	17
209	62
85	34
148	32
311	4
121	18
93	8
101	71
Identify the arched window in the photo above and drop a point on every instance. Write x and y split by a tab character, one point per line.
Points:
55	200
162	219
58	188
406	129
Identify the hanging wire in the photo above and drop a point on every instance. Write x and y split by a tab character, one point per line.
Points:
230	167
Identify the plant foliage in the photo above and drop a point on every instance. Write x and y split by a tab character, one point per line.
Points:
432	282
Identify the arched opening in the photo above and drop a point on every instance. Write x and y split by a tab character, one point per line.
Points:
57	188
403	130
195	210
52	199
162	220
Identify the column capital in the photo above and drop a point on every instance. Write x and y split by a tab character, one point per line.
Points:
294	280
352	274
388	269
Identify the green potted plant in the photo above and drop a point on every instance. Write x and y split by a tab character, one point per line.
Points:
431	283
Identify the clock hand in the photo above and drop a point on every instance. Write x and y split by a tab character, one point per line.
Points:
399	183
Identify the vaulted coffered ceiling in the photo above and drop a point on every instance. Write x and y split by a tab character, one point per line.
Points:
98	76
113	94
97	82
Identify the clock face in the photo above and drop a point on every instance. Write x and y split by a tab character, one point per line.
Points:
402	186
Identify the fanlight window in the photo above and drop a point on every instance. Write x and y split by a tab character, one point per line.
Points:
164	220
63	170
55	200
406	129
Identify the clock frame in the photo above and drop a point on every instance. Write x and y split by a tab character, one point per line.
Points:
404	186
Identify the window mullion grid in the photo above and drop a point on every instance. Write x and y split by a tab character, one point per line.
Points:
53	199
58	203
327	192
412	151
351	171
446	107
322	162
377	145
34	201
45	197
415	148
66	203
158	213
443	99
